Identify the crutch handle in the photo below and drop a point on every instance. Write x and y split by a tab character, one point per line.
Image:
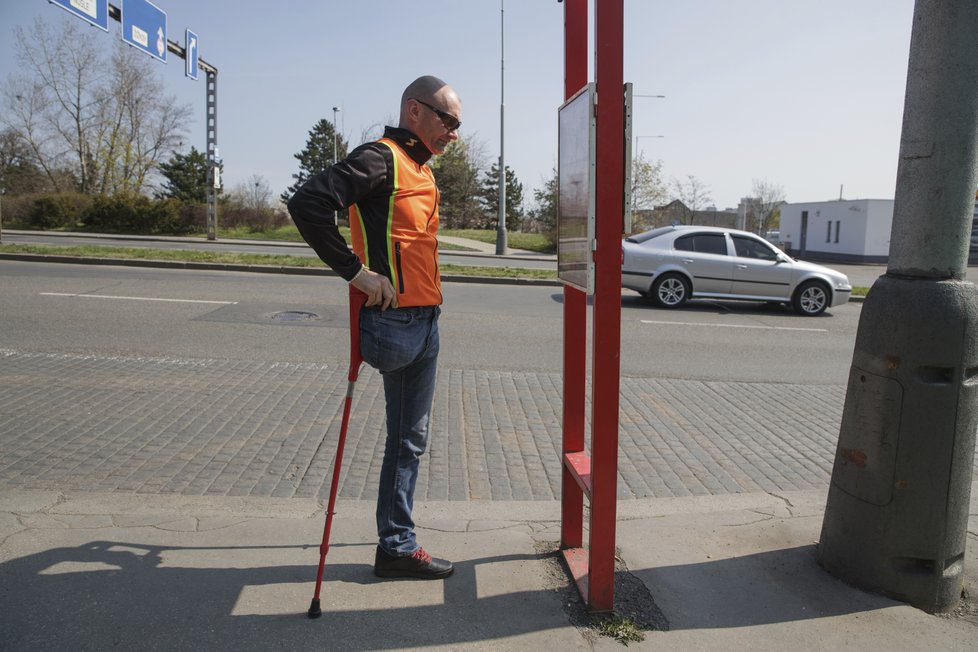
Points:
357	301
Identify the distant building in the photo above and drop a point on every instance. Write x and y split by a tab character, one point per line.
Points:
846	230
676	212
855	230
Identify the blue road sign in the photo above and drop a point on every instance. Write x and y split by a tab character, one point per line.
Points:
94	11
144	27
191	54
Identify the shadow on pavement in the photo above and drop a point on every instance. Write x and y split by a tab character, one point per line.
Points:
109	594
778	586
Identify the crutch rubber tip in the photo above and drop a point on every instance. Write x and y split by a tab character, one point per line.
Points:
314	610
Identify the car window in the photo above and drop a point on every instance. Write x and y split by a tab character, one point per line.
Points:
750	248
704	243
648	235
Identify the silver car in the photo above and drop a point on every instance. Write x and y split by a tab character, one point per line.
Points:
674	263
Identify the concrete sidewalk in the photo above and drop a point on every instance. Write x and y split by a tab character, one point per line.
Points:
88	571
487	248
162	503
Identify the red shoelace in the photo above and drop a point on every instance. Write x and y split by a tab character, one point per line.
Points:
421	556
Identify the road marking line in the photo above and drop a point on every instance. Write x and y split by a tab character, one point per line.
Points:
109	296
767	328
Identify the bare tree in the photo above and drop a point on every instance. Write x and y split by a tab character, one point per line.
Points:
108	122
24	101
375	131
141	130
18	173
764	207
648	190
694	194
255	194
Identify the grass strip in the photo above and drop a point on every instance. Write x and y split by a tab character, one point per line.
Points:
231	258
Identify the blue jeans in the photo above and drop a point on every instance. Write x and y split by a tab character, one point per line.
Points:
402	344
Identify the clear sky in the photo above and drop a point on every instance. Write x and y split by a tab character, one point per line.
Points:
806	95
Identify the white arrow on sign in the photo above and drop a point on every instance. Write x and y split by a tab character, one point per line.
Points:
191	55
160	42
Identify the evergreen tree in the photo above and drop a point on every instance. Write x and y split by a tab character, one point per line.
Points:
545	214
458	182
317	155
186	177
514	198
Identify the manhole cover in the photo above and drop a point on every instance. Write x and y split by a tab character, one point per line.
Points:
294	315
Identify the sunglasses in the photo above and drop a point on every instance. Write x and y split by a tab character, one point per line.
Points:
451	122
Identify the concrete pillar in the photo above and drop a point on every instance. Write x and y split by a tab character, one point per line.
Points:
897	511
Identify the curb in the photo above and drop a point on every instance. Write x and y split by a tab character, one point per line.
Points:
285	244
259	269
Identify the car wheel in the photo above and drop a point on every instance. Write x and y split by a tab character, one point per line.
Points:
811	298
670	291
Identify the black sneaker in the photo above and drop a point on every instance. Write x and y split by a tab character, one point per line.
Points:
418	565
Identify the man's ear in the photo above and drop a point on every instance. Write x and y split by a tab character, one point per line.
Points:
415	108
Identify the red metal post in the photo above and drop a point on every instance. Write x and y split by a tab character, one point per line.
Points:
606	351
575	309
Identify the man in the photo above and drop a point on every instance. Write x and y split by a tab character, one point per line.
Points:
393	203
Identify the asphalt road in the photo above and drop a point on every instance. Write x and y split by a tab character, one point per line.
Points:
107	310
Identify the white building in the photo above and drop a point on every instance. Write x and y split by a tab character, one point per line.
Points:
838	231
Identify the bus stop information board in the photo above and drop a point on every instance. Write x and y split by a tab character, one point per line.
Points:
575	190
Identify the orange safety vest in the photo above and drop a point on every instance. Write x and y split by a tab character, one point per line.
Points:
403	240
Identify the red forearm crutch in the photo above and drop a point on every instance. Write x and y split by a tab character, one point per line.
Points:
357	299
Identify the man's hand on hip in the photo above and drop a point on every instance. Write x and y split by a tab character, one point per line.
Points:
378	289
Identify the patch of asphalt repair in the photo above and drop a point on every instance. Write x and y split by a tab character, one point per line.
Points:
633	600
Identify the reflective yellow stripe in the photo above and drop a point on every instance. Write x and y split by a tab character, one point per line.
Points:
363	236
390	220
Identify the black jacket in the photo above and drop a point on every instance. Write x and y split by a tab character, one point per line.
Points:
365	178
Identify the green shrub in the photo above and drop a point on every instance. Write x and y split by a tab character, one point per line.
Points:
168	216
194	216
56	211
129	213
234	216
16	209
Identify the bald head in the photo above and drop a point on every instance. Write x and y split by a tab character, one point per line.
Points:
421	103
422	88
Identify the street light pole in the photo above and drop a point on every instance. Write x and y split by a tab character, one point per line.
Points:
637	138
660	97
336	109
501	221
